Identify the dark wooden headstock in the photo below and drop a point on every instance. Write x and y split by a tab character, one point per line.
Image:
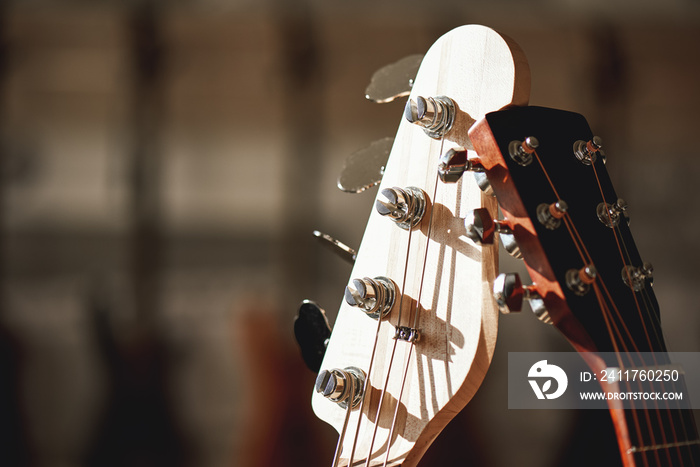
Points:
611	305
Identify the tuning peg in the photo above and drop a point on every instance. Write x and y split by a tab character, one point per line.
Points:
342	386
637	277
587	151
405	206
455	162
509	292
338	247
373	296
510	244
550	215
521	151
481	227
610	214
393	80
483	182
434	114
365	168
312	332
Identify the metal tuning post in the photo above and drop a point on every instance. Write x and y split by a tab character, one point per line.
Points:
405	206
521	151
393	80
373	296
510	244
610	214
435	115
509	292
636	277
312	332
407	333
365	168
338	247
587	151
455	162
483	183
579	280
344	387
550	215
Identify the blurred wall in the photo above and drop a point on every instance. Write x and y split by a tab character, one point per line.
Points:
163	165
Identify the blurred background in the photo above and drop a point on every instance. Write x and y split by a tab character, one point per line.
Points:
163	164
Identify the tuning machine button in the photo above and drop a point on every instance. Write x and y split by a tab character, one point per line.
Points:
509	292
481	228
393	80
405	206
455	162
435	115
483	183
312	332
373	296
510	244
336	246
364	169
342	386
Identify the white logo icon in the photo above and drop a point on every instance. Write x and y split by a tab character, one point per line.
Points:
542	370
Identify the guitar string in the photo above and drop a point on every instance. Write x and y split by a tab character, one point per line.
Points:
607	320
364	390
379	408
647	307
391	359
692	450
607	317
376	340
416	312
384	388
586	259
341	438
652	317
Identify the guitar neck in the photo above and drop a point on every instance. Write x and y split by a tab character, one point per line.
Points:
548	171
658	434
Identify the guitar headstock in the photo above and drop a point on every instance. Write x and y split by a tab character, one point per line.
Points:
548	173
417	327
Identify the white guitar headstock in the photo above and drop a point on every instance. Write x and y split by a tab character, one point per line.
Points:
417	327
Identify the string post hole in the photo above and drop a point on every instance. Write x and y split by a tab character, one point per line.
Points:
550	215
522	151
435	115
405	206
375	296
610	214
344	387
587	151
